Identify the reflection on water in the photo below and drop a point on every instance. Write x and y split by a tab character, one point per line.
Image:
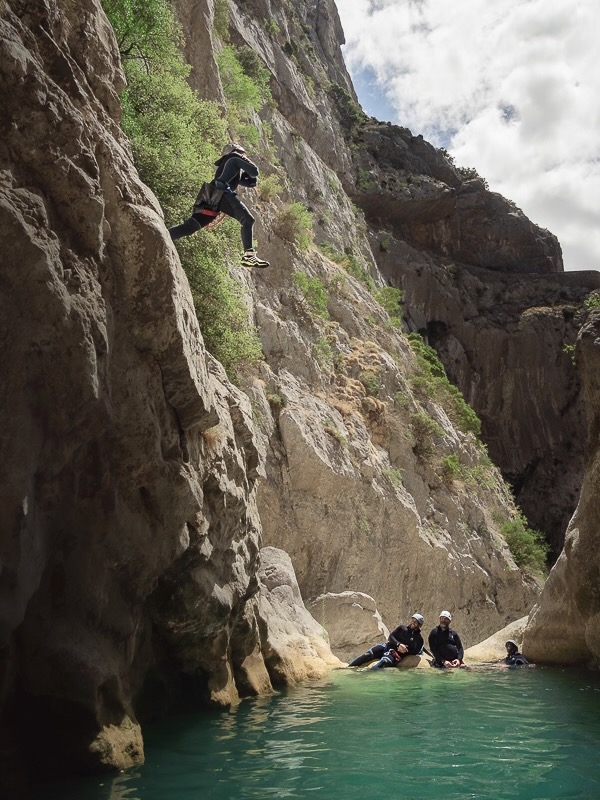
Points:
531	734
122	786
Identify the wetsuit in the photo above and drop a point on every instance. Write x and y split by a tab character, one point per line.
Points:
445	646
516	660
403	634
233	170
391	658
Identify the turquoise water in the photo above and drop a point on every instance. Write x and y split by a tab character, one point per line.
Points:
415	735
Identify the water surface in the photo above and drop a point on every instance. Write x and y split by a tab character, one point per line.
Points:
359	735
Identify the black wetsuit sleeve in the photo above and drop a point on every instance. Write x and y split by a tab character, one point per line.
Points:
401	635
248	181
395	636
230	170
415	647
458	644
433	644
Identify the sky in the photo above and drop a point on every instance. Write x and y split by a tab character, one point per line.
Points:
509	87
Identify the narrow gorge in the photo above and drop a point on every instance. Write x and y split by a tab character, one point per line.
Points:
165	516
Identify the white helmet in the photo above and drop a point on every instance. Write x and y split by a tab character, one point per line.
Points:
232	148
446	614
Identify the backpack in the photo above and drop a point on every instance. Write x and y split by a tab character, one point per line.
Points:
208	198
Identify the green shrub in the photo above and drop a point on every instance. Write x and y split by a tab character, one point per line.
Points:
272	28
354	268
145	30
323	352
470	173
275	400
351	114
365	181
269	187
481	474
451	467
592	301
221	19
332	254
528	547
390	299
432	381
175	138
394	476
401	399
313	291
336	434
426	356
370	380
294	225
425	430
245	80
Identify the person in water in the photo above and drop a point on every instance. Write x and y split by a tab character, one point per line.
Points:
445	644
402	641
513	657
218	197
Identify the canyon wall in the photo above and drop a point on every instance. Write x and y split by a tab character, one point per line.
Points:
138	483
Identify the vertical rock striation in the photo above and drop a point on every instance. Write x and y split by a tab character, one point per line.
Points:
564	627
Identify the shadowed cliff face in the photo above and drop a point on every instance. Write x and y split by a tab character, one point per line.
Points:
504	339
129	534
565	624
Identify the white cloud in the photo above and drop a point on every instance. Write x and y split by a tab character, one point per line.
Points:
511	88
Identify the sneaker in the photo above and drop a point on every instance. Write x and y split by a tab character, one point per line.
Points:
250	259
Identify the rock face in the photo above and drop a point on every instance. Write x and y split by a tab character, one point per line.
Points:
352	621
136	481
564	627
289	630
355	491
129	528
505	340
408	187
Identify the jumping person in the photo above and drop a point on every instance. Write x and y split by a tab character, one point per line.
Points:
404	640
234	169
445	644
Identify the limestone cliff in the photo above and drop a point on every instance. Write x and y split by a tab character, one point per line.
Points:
129	528
356	490
138	483
506	340
565	626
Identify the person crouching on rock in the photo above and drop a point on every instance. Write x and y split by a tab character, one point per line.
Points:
445	644
404	640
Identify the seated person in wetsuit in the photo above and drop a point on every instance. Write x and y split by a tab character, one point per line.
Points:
391	657
404	640
513	657
445	644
